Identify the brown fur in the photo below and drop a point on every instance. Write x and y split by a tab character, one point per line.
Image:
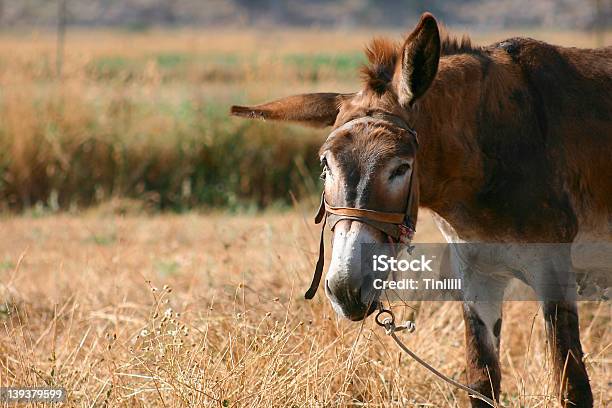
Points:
382	55
491	86
369	149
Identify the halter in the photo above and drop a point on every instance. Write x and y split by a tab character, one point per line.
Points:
398	227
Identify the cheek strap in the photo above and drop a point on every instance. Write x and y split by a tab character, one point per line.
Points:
318	272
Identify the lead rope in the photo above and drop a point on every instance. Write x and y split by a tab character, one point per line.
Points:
391	329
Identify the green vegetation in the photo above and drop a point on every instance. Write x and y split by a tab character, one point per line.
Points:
177	66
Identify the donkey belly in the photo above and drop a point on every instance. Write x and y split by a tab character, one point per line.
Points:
587	261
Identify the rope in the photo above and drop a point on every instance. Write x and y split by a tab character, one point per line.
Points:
391	329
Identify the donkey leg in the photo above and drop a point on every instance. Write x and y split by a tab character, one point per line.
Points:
483	296
482	331
564	337
555	284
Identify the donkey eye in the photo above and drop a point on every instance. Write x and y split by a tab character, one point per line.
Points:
325	168
399	171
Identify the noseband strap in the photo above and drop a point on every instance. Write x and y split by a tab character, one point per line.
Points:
397	226
362	213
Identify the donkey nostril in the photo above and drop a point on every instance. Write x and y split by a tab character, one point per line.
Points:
327	286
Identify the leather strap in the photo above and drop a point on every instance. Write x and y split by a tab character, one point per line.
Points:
358	213
321	210
318	272
391	230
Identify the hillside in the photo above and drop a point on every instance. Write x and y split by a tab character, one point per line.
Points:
140	14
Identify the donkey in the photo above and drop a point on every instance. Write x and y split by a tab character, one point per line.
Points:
515	147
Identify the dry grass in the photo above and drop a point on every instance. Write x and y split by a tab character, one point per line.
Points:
199	310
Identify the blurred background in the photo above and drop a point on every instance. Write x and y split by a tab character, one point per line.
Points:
126	102
154	250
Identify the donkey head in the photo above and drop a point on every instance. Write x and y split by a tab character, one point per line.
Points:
367	164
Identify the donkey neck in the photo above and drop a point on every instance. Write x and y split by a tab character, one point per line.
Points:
447	120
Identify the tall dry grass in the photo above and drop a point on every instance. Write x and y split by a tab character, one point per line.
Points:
144	115
177	311
63	151
69	144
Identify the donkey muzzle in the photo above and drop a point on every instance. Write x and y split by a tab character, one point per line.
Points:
348	285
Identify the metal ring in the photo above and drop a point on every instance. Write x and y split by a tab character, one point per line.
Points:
382	312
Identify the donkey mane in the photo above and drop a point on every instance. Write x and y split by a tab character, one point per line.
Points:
383	54
452	45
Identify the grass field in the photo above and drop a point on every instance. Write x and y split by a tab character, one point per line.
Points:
184	310
124	305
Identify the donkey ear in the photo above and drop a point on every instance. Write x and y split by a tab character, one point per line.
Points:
419	60
315	109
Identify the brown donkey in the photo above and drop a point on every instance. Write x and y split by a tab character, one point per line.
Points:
515	145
